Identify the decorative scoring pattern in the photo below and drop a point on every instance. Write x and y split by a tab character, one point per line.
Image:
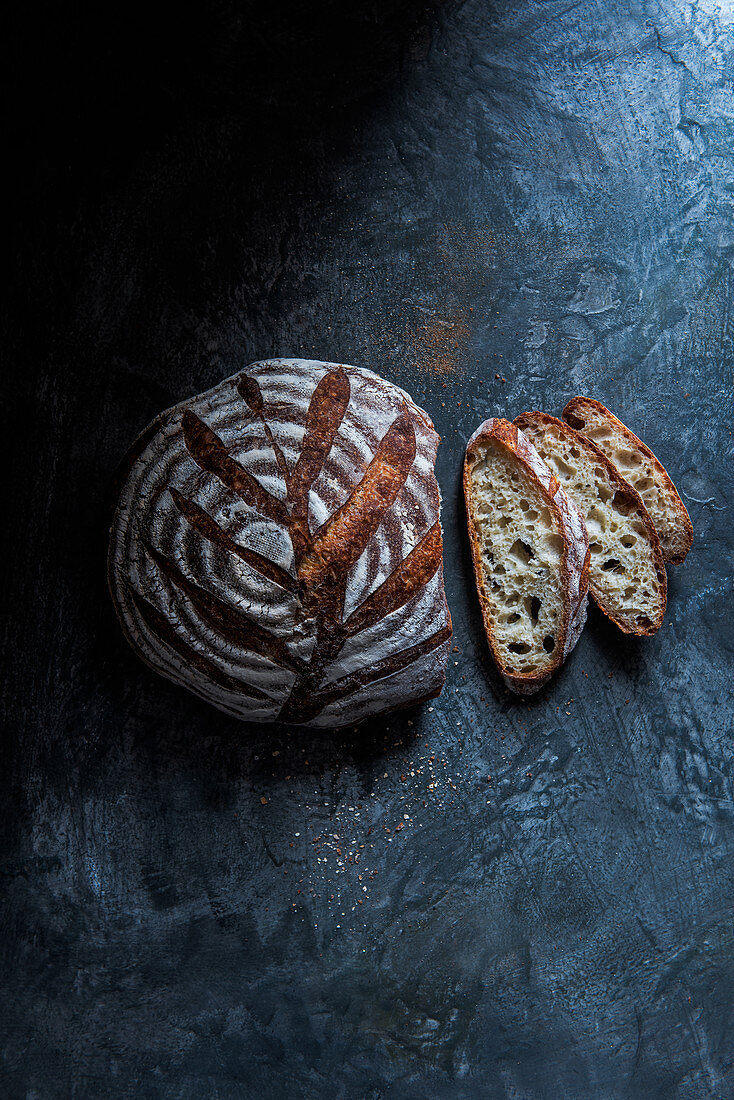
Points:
277	546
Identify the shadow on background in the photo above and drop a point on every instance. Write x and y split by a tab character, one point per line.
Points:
165	151
251	91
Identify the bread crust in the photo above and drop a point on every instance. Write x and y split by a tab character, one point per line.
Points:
277	550
675	540
634	499
574	560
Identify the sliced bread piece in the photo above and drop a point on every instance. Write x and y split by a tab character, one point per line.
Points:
641	468
627	575
530	554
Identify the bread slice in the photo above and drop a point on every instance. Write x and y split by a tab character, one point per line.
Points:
627	576
530	554
641	468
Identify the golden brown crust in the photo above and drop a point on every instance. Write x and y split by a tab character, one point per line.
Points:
209	529
323	631
634	501
506	434
423	561
232	623
210	454
675	545
339	542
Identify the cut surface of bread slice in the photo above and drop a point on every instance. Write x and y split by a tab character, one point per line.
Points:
627	576
530	554
638	465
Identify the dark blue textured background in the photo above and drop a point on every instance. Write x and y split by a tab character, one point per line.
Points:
540	191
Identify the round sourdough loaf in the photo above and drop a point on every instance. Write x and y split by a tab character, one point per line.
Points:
277	547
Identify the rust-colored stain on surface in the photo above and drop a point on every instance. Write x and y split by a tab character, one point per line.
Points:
438	342
464	258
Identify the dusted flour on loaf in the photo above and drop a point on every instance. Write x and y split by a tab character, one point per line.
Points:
277	546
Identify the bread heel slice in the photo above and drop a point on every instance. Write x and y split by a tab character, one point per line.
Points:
627	575
530	554
638	465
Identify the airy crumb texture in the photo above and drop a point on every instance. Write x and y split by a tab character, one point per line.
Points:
638	465
531	590
521	554
627	575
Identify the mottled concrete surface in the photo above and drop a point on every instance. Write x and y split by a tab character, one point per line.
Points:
542	907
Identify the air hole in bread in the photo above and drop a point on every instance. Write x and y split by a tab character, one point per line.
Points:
627	459
524	505
597	518
604	492
519	647
628	540
521	551
595	547
533	605
549	643
513	618
612	565
623	503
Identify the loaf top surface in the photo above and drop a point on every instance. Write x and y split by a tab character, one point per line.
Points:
277	547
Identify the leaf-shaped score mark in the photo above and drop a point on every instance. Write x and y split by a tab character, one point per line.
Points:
388	666
159	625
323	560
403	583
209	529
249	390
339	542
304	709
325	413
208	451
233	625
